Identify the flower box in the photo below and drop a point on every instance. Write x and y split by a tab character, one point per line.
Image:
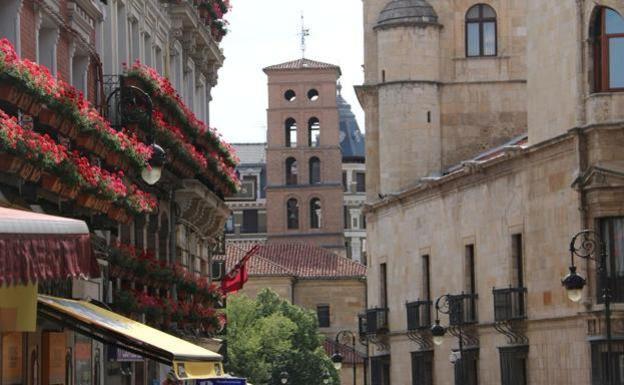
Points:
52	183
9	93
25	102
30	173
182	168
50	118
132	82
68	128
119	214
101	149
35	108
69	192
87	200
10	163
86	141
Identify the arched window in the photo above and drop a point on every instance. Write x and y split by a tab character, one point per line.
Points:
315	214
315	170
291	171
292	213
608	49
314	132
291	132
481	31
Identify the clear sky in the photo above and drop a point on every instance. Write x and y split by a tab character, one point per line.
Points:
264	33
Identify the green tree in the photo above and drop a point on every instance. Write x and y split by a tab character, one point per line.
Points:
268	335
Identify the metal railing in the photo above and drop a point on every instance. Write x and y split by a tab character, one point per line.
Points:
376	320
418	315
509	303
462	309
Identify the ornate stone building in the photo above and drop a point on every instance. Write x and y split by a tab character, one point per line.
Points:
494	133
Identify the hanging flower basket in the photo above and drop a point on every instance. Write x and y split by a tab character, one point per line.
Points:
50	118
182	168
9	163
9	93
52	183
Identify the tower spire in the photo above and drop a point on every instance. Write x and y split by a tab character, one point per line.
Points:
305	32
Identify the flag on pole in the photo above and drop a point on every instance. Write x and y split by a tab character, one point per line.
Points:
236	278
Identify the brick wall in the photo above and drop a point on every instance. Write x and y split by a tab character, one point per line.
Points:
27	30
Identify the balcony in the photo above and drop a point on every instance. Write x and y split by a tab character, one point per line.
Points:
376	321
509	304
418	315
462	309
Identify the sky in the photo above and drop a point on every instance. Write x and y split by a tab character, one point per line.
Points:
263	33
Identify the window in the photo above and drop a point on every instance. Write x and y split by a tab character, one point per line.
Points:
467	368
314	132
345	216
513	365
315	214
612	234
516	256
322	313
315	170
291	171
360	182
313	95
344	181
250	221
47	45
80	64
380	370
422	368
291	132
426	279
481	31
470	283
608	49
383	286
292	213
599	362
290	95
229	225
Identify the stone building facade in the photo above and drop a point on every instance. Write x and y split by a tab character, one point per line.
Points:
494	133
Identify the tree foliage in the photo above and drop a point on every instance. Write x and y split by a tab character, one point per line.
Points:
268	335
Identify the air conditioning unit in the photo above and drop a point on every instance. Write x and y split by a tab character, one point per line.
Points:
218	270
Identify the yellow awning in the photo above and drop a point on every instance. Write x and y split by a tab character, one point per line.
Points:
188	360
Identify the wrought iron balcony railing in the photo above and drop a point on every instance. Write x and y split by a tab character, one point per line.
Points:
376	321
509	304
462	309
418	315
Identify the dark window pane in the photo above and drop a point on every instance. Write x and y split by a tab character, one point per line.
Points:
473	13
315	213
489	39
473	39
250	221
315	171
360	182
322	313
344	181
616	62
292	214
614	22
488	12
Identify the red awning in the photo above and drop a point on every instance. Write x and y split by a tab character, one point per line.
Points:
36	247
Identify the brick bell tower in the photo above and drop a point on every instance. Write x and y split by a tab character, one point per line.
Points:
304	191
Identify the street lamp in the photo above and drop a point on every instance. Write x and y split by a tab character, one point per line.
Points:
284	377
586	244
152	173
443	305
337	357
326	378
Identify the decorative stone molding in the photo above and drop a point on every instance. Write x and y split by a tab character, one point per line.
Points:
201	209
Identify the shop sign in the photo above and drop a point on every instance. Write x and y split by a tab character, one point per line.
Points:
120	355
12	359
222	381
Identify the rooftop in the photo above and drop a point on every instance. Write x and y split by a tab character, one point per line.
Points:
351	138
302	64
298	260
250	153
402	12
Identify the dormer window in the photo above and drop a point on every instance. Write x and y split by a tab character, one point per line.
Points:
481	31
608	49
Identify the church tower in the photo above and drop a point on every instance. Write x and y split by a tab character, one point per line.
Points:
304	190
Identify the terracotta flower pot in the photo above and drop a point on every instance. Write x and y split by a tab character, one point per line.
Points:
52	183
119	214
101	149
10	163
35	108
50	118
68	128
30	173
9	93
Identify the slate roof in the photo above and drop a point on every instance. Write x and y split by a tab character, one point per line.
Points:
250	153
298	260
351	138
401	12
301	64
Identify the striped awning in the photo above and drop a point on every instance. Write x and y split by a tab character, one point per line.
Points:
36	247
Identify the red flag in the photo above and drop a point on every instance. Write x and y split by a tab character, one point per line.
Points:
236	278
